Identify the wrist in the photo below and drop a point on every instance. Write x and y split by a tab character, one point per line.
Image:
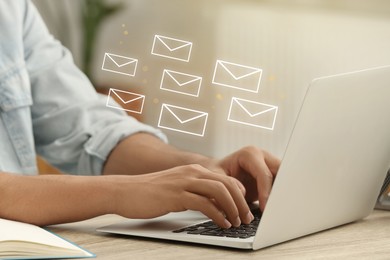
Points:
113	193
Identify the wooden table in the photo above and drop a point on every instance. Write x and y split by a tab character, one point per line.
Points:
365	239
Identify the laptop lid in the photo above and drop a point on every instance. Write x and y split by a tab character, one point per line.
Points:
336	159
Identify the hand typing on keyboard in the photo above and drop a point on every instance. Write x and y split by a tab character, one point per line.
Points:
220	189
210	229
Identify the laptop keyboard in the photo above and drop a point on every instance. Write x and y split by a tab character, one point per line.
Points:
210	229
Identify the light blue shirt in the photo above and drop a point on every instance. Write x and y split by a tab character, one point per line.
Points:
47	106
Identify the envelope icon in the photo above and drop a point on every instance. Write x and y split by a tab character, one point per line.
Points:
181	83
183	120
252	113
119	64
171	48
124	100
237	76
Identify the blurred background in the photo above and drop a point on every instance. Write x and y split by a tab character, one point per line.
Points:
291	41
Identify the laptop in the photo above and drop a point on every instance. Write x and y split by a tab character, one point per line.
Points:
331	173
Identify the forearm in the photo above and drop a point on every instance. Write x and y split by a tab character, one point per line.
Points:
45	200
144	153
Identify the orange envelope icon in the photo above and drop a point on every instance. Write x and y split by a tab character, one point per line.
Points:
124	100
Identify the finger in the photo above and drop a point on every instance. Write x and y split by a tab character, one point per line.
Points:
207	207
255	164
232	184
264	180
212	189
228	196
246	215
240	186
244	211
272	162
264	185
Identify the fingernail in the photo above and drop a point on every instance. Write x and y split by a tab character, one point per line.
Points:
227	224
237	222
249	217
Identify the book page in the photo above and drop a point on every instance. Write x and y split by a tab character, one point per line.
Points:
17	231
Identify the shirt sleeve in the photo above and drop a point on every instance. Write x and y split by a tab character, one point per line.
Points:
73	129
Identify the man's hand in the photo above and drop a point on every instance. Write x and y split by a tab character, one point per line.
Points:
190	187
254	168
179	185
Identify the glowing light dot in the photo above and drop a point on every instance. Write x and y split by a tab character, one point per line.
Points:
219	96
125	32
156	101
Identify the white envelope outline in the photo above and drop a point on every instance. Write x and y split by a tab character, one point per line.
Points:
221	65
127	67
265	108
114	92
200	114
191	79
172	52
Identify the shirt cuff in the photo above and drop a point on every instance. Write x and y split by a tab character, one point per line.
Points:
98	147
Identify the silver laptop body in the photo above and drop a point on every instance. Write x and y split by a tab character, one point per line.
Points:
331	173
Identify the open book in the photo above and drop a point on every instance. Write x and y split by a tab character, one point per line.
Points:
24	241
